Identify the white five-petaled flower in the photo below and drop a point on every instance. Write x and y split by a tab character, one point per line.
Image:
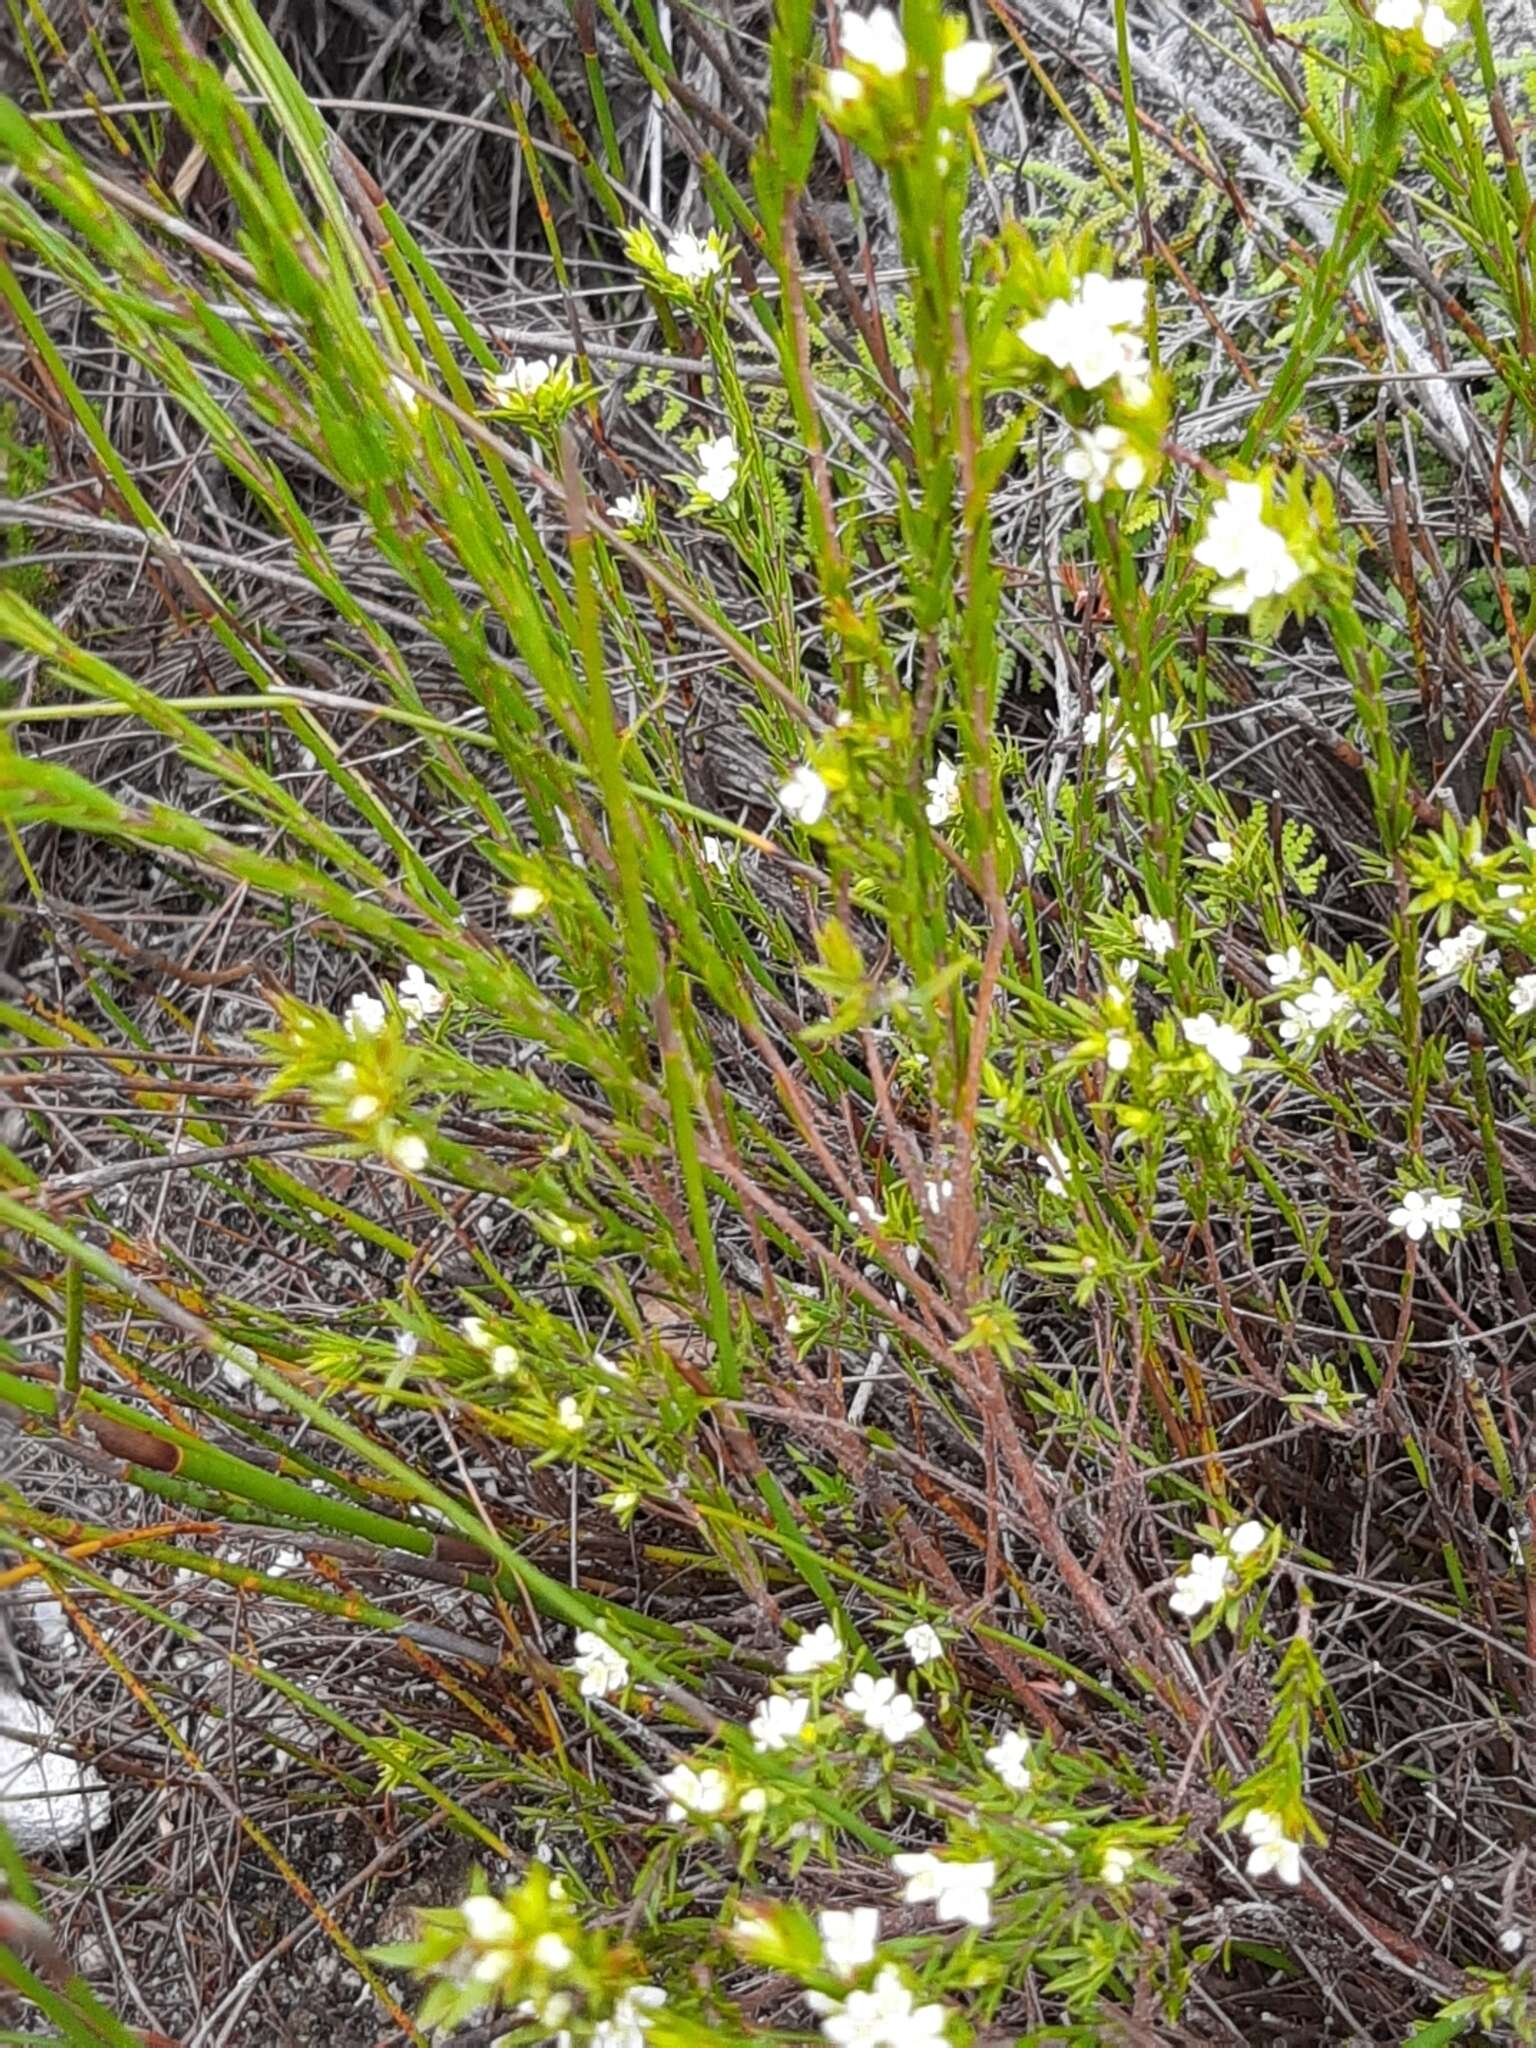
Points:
848	1939
1246	1538
883	1708
943	787
1453	953
603	1671
1227	1046
1204	1582
1241	545
693	258
1116	1863
630	510
1522	995
487	1920
1155	933
420	996
778	1723
569	1416
885	2016
1273	1853
690	1792
1432	22
1220	851
1102	460
719	463
523	378
956	1891
923	1643
1095	333
1285	969
819	1650
1009	1758
804	796
408	1152
365	1017
1422	1210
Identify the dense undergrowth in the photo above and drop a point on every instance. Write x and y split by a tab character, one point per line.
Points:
808	1042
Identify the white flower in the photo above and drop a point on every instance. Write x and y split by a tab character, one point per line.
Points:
817	1651
688	1791
408	1152
965	67
843	88
569	1415
1273	1852
943	787
1422	1210
875	41
1155	933
1242	546
552	1952
1512	1940
1202	1583
1522	995
719	461
630	510
526	900
362	1107
1246	1538
522	378
1122	759
1056	1167
629	2022
1452	954
922	1643
1009	1757
956	1891
804	796
1314	1010
505	1361
1227	1046
603	1671
365	1017
1220	851
848	1939
1117	1863
476	1332
1095	333
1434	25
419	994
1103	460
887	2016
407	397
882	1708
1285	969
487	1920
693	258
778	1723
1117	1052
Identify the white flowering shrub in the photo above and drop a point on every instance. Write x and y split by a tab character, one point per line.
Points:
916	987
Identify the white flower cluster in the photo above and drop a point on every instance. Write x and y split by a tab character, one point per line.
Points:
883	1708
1422	1210
1313	1005
1102	460
1155	933
956	1891
1208	1577
1272	1853
943	787
1227	1046
804	796
603	1671
1240	544
1121	761
875	43
1425	18
1095	334
886	2016
629	2022
719	463
417	993
1457	951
